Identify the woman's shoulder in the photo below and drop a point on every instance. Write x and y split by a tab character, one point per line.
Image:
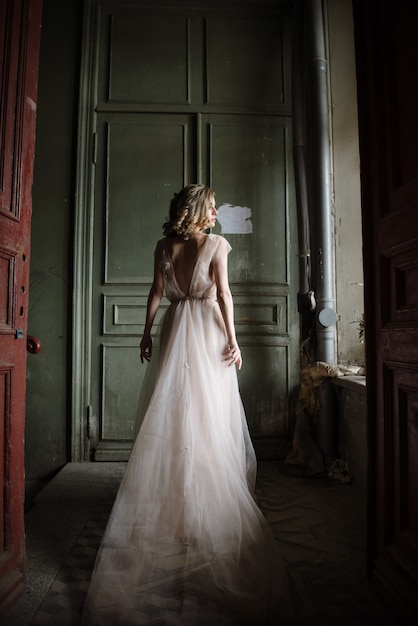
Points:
161	248
220	243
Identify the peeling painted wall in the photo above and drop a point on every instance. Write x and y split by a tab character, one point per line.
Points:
235	220
50	294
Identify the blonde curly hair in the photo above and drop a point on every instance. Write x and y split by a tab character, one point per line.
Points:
188	209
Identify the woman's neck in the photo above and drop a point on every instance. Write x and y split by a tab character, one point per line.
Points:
197	234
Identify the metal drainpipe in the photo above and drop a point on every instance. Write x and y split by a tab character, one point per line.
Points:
320	177
305	304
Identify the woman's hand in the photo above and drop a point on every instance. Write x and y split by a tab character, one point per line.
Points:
146	348
232	355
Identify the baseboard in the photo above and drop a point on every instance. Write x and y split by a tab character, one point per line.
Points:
112	451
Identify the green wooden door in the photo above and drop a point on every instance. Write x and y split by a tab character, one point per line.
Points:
192	96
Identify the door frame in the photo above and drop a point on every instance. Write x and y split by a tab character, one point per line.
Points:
83	245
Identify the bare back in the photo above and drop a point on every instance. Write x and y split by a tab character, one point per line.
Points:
184	255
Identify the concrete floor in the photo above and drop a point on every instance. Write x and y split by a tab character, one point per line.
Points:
319	524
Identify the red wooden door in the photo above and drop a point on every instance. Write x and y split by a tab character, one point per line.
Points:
20	34
387	58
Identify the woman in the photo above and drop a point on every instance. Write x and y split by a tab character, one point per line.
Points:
186	542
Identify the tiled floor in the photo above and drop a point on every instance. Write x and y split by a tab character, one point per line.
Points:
319	525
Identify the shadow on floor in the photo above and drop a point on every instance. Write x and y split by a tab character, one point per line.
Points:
319	524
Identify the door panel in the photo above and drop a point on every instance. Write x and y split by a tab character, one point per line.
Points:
121	364
145	159
144	58
186	96
248	167
245	62
19	49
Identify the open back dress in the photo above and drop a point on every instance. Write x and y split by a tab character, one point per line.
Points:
186	542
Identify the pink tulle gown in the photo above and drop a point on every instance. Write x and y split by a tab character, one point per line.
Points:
185	542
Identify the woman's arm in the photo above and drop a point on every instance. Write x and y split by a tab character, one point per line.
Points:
224	296
154	299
